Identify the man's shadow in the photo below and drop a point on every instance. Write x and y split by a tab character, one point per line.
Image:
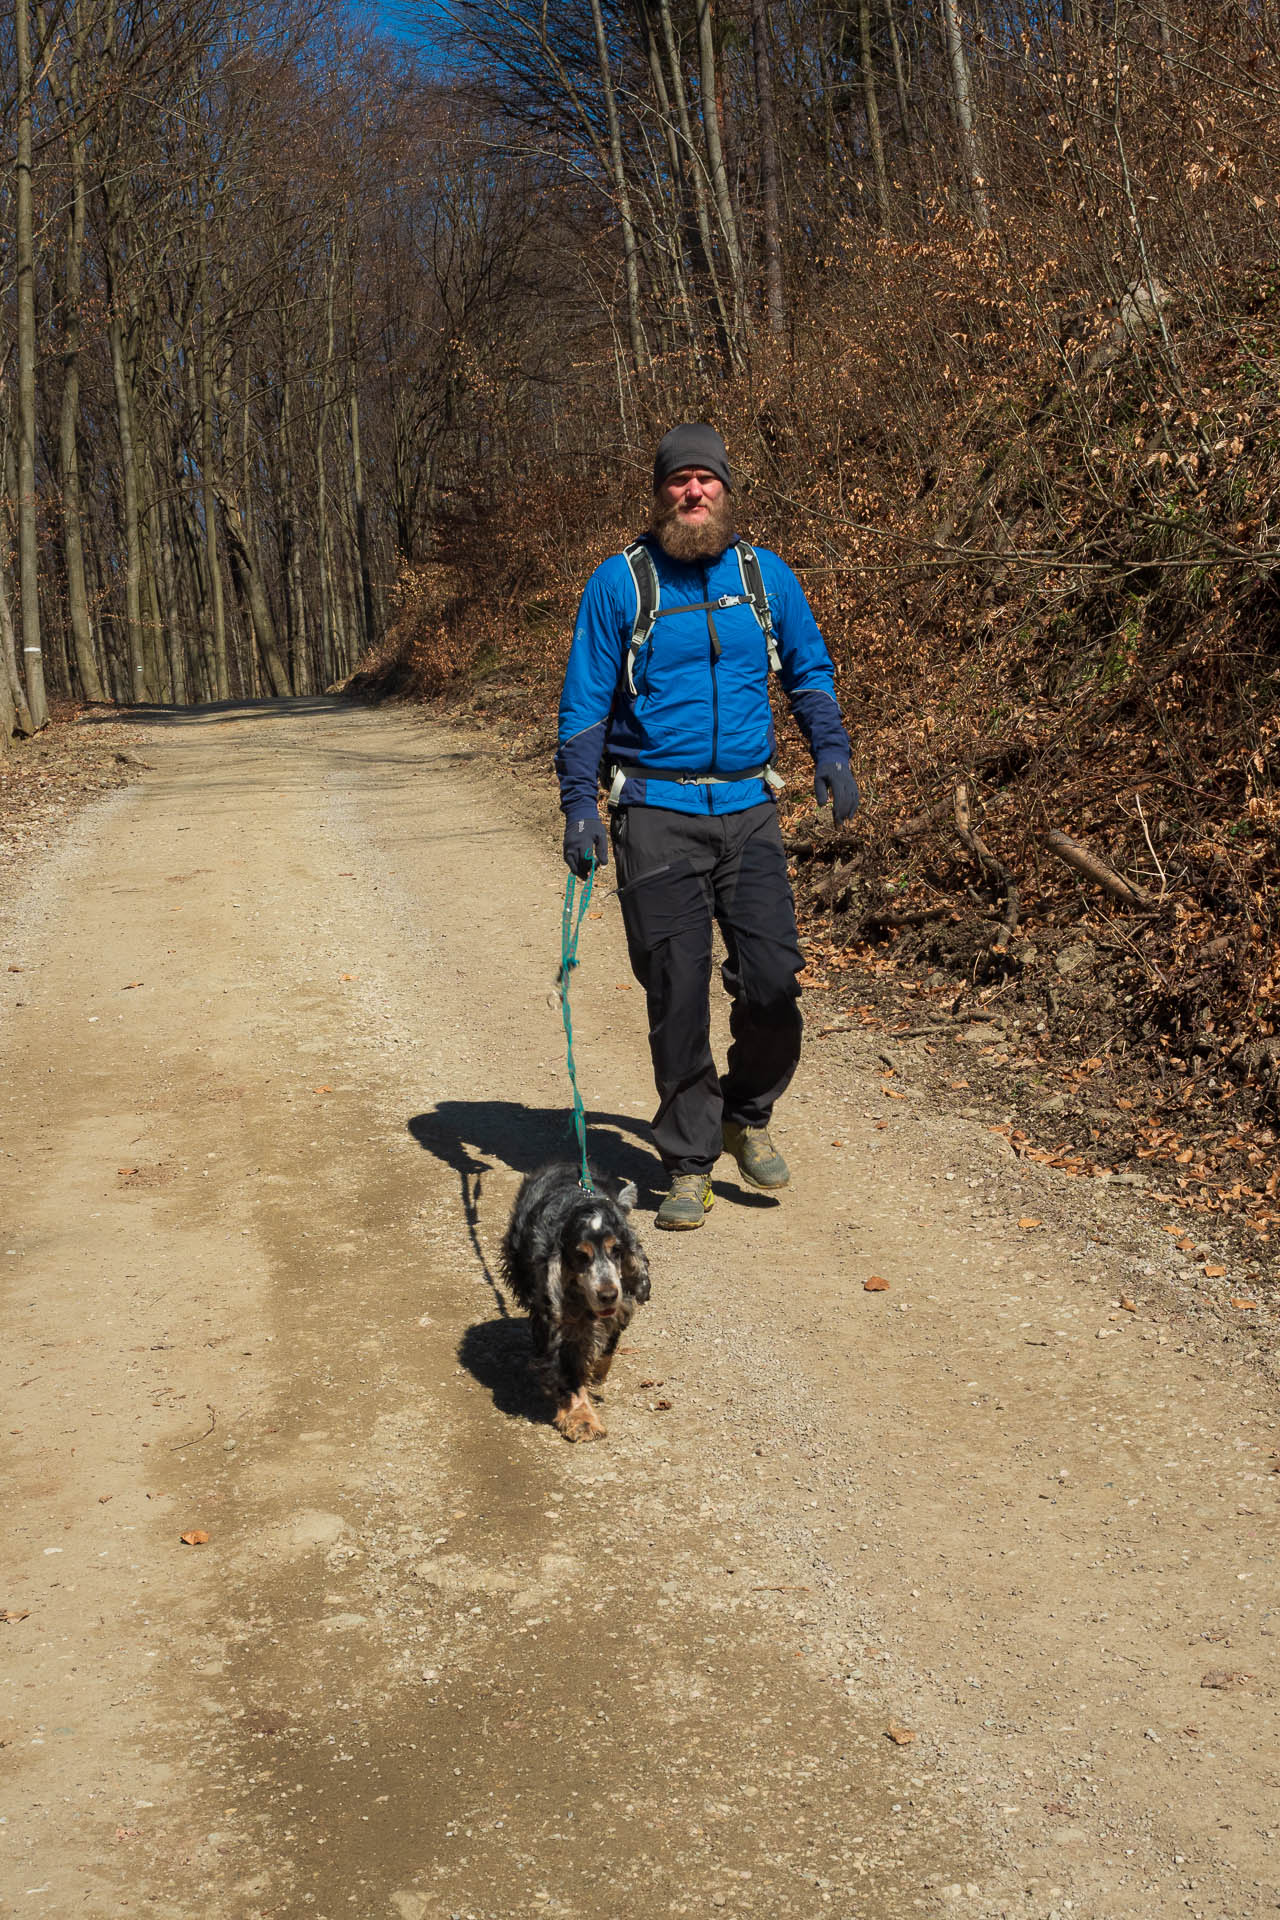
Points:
476	1136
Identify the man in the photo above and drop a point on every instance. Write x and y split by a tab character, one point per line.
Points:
672	698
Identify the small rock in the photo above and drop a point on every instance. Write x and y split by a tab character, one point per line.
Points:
1074	959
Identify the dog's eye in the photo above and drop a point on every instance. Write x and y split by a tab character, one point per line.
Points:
586	1253
611	1246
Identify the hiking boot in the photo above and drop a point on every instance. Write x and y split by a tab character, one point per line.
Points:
759	1162
687	1204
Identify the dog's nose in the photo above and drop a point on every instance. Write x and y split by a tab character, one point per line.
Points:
607	1294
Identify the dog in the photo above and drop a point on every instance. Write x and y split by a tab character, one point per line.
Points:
572	1260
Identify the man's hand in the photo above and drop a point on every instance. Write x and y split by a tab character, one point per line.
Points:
833	781
586	838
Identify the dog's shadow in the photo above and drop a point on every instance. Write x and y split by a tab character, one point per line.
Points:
498	1354
475	1137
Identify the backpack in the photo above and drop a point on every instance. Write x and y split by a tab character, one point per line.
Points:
648	593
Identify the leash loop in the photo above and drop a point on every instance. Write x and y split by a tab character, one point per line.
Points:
570	927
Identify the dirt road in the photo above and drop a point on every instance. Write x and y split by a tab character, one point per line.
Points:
276	1051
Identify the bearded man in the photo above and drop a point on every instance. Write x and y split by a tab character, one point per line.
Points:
666	689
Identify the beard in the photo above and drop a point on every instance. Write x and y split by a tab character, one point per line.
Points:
704	539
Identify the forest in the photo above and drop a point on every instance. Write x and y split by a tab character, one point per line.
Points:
334	356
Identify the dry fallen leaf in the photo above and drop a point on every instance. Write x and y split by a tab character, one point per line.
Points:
900	1736
129	985
195	1537
1027	1222
663	1406
15	1613
322	1089
1225	1681
875	1285
593	915
1246	1306
622	987
837	1143
1214	1273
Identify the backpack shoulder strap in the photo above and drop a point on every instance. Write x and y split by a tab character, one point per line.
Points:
644	576
753	587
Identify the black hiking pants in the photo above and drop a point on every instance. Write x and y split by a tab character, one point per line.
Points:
677	874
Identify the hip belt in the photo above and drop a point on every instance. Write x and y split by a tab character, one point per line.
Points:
684	777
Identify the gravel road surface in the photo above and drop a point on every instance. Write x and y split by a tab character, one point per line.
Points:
956	1597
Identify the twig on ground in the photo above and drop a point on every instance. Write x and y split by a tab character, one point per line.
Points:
196	1438
1097	870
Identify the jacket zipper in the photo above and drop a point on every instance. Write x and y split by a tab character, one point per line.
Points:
713	641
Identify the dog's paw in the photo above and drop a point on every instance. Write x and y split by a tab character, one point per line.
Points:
580	1421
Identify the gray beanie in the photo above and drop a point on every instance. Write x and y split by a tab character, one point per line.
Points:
696	445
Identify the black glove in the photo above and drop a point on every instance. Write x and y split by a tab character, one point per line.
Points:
584	838
833	781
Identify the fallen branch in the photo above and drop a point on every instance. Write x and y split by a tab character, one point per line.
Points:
986	859
1097	870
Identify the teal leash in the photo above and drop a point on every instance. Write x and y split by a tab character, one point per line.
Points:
570	927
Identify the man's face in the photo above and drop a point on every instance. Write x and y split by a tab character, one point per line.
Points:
693	515
690	494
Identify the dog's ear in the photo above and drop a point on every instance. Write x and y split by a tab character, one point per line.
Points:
635	1273
627	1195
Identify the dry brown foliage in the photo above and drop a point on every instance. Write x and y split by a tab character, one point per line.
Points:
1029	479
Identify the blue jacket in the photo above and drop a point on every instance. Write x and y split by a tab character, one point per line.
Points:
693	710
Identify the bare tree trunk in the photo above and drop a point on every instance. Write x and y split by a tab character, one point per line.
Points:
208	495
328	635
132	531
904	111
254	594
963	102
635	329
68	425
697	182
11	721
762	55
24	239
678	217
357	495
871	108
715	159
